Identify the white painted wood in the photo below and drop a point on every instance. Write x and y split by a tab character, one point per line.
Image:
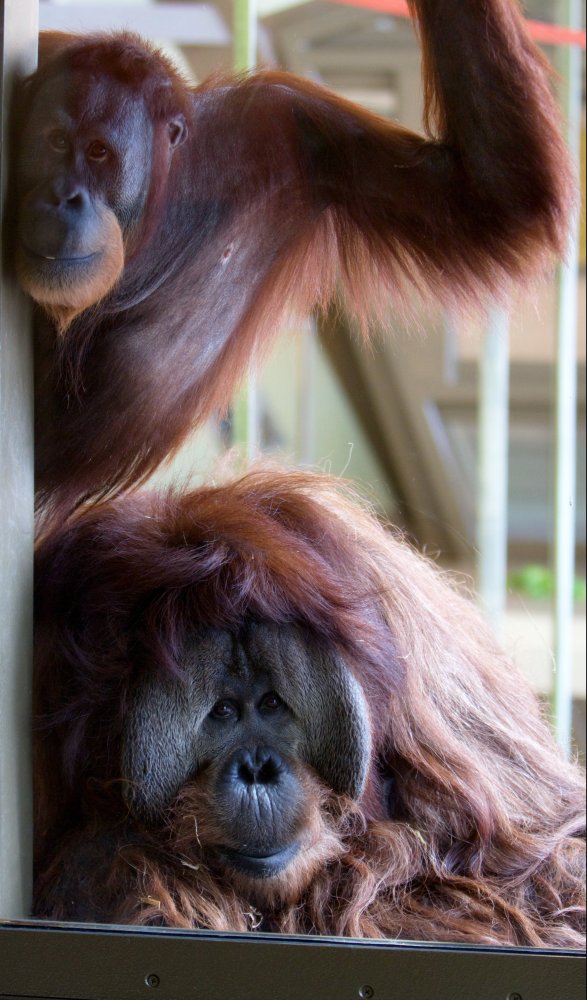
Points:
18	46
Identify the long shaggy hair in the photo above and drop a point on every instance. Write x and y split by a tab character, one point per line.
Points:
481	838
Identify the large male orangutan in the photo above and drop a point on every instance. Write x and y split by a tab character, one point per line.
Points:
257	708
164	230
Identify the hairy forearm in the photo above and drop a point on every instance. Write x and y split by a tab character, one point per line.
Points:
487	97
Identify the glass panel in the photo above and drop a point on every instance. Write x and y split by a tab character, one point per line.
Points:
257	708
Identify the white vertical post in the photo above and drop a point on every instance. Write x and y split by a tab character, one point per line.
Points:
492	497
18	46
566	408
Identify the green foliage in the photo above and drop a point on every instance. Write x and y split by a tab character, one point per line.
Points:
537	582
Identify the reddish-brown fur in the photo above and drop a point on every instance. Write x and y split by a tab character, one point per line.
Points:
283	194
485	840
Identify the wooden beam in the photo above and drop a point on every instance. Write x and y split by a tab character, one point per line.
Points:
18	49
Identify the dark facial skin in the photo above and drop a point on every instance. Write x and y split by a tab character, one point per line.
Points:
84	169
251	714
255	790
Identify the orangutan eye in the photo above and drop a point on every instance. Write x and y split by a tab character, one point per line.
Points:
224	709
59	141
97	151
271	702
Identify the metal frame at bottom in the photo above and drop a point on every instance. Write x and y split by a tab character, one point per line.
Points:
73	962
